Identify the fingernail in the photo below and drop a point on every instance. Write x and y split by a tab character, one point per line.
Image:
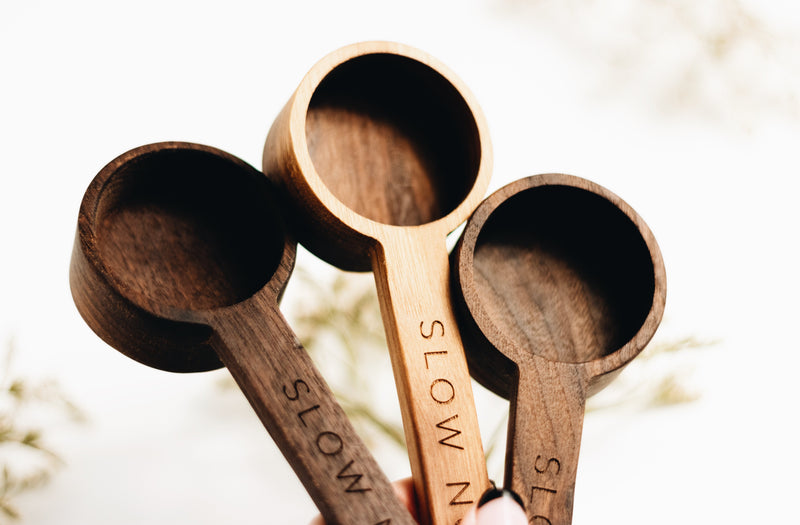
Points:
500	507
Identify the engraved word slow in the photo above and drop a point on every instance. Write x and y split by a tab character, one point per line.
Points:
540	493
326	441
443	393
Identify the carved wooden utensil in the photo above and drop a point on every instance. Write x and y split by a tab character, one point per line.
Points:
179	262
383	152
558	284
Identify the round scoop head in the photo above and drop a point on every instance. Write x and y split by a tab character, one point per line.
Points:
560	269
392	139
166	231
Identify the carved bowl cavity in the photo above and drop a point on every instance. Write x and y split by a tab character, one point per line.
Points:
392	139
167	232
564	274
556	267
188	229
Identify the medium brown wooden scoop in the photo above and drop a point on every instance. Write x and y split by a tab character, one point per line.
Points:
179	262
558	284
383	152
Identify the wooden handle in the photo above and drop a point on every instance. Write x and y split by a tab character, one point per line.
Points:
560	285
302	416
439	418
545	425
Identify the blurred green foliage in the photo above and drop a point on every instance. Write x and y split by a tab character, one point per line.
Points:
339	323
723	61
26	408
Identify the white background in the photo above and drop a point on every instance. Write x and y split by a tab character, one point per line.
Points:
714	175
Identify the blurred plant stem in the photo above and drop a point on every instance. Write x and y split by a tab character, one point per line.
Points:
720	60
343	332
28	462
340	325
337	318
656	378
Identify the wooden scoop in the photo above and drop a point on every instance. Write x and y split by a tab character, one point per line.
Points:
179	262
383	152
558	284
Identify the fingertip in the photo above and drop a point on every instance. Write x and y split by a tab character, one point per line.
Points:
470	517
317	521
404	489
499	507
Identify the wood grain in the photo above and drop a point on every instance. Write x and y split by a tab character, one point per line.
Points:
383	152
558	284
392	140
179	262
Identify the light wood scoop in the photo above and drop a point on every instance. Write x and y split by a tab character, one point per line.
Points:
559	284
383	152
179	262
